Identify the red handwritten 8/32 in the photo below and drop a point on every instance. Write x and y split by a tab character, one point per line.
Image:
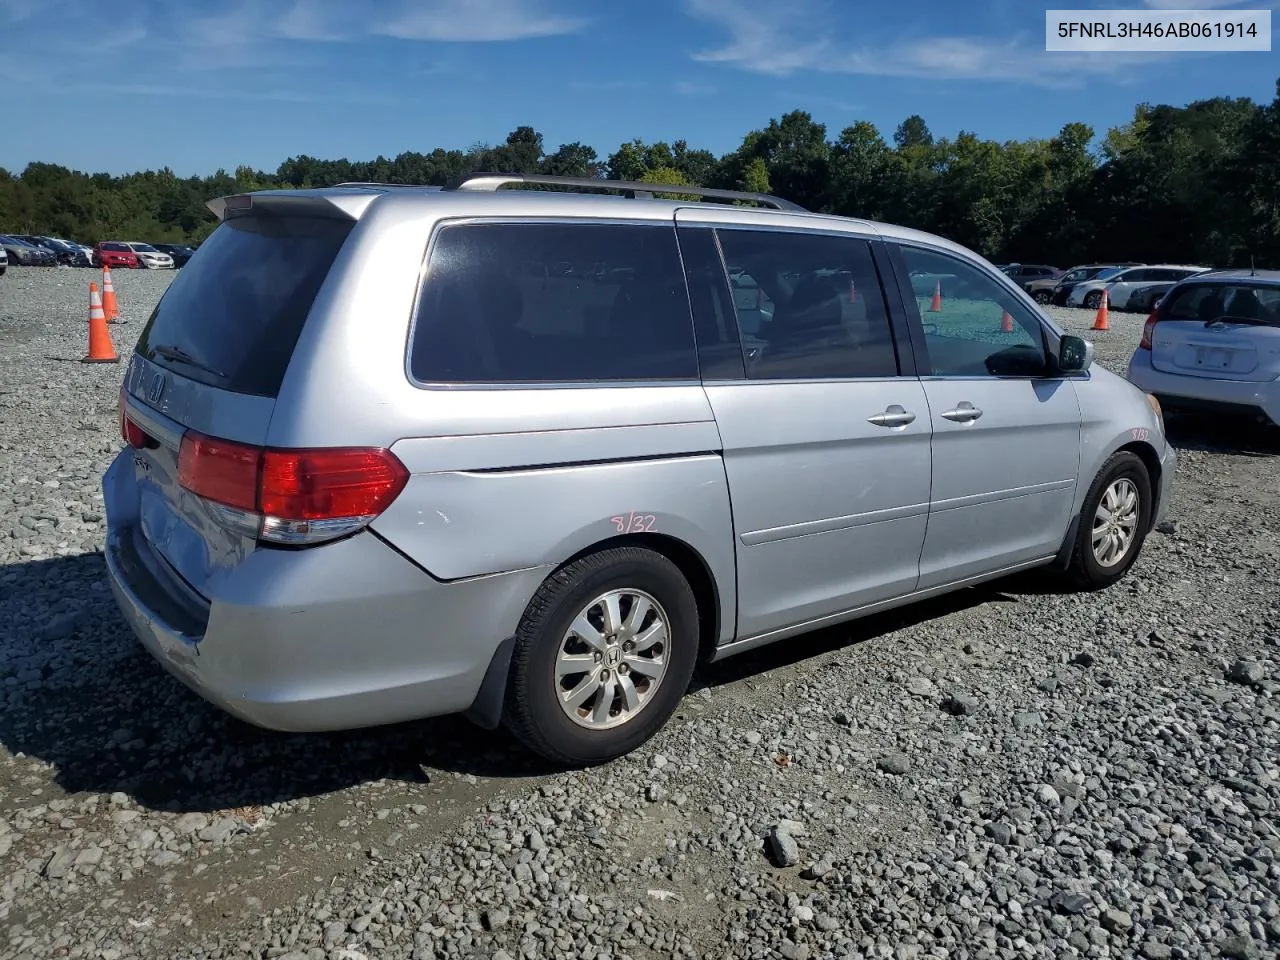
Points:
634	522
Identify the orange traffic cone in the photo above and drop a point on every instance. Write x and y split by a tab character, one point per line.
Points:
1006	323
936	306
100	348
109	306
1101	321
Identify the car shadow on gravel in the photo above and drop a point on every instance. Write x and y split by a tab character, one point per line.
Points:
847	636
78	693
1232	435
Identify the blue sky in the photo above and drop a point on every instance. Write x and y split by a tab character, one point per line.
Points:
113	87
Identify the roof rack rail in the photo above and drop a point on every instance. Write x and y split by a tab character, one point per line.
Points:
633	188
374	183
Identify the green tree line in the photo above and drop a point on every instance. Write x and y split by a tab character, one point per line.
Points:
1195	184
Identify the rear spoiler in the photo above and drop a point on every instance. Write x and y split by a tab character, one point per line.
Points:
306	203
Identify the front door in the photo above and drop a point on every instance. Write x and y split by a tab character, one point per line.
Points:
1006	436
825	446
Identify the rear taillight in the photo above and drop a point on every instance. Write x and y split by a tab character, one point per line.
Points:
291	496
130	432
1148	329
219	470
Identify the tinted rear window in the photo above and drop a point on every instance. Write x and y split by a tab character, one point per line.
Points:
1208	302
239	309
559	303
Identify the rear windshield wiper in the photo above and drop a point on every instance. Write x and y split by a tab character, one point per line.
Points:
178	355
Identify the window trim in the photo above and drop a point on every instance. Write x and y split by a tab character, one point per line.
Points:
883	279
453	386
1048	336
740	372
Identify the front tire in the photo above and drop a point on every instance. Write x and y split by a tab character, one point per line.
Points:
603	656
1043	297
1092	300
1114	522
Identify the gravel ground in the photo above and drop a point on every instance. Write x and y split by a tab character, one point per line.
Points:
1007	772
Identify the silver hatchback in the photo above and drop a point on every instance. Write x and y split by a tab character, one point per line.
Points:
531	455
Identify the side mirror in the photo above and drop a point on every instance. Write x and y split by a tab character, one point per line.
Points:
1075	355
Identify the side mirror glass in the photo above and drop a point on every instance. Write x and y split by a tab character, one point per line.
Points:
1075	355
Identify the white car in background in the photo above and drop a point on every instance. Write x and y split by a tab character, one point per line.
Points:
1213	343
4	261
150	257
1121	282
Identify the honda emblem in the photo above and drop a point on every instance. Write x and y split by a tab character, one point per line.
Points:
155	390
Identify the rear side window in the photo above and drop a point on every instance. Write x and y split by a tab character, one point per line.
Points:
232	317
809	305
553	303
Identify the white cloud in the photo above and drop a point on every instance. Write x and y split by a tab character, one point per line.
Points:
1191	4
765	37
462	21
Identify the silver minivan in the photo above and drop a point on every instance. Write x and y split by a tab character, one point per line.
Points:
533	454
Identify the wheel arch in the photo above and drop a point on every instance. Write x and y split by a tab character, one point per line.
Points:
486	709
1150	459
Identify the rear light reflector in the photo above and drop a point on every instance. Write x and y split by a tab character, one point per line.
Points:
130	432
219	470
1148	329
291	496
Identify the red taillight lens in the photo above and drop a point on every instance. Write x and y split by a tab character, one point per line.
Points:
1148	329
293	485
134	435
130	432
220	470
329	484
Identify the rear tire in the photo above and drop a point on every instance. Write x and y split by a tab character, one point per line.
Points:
603	656
1043	297
1114	522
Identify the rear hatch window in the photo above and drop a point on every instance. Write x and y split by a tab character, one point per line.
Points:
232	317
1221	330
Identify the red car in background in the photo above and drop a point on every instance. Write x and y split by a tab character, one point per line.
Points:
110	253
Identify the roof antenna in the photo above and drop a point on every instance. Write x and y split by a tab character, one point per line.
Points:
1251	270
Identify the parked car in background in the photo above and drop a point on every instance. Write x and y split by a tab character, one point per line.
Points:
4	261
23	253
1144	296
180	253
1121	282
150	257
553	475
1057	291
1024	274
69	254
1213	343
113	253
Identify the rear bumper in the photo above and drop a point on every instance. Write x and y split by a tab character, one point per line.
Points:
1236	397
341	636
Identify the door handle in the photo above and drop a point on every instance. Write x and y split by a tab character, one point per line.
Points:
965	412
894	416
